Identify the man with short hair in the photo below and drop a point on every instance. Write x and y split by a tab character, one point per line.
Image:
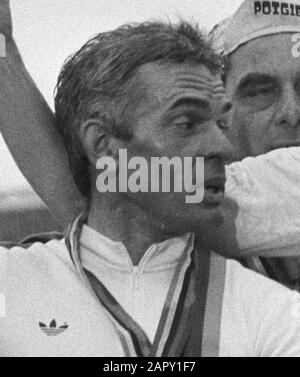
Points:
262	79
26	118
262	75
131	277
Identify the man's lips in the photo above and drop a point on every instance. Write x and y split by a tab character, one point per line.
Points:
214	190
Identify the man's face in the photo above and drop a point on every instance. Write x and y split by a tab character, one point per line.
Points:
181	114
263	84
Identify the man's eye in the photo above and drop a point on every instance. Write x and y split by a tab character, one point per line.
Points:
184	123
256	92
258	97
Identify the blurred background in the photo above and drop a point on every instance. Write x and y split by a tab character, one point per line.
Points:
47	32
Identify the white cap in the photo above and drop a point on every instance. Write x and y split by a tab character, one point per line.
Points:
255	19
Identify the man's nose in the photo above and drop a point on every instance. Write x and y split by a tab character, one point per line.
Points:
289	109
222	149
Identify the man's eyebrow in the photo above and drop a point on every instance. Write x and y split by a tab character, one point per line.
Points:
189	101
255	79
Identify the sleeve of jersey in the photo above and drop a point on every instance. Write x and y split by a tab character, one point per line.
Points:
279	331
267	191
270	312
27	125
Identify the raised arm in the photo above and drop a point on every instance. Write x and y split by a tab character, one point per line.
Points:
27	125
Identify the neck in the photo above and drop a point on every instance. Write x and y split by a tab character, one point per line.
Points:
121	220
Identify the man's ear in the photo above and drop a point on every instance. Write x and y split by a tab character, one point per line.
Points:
95	140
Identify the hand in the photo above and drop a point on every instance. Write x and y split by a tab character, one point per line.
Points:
5	18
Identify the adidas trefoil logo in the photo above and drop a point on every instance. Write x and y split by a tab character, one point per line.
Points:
53	330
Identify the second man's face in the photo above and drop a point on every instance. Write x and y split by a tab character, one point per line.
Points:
263	83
